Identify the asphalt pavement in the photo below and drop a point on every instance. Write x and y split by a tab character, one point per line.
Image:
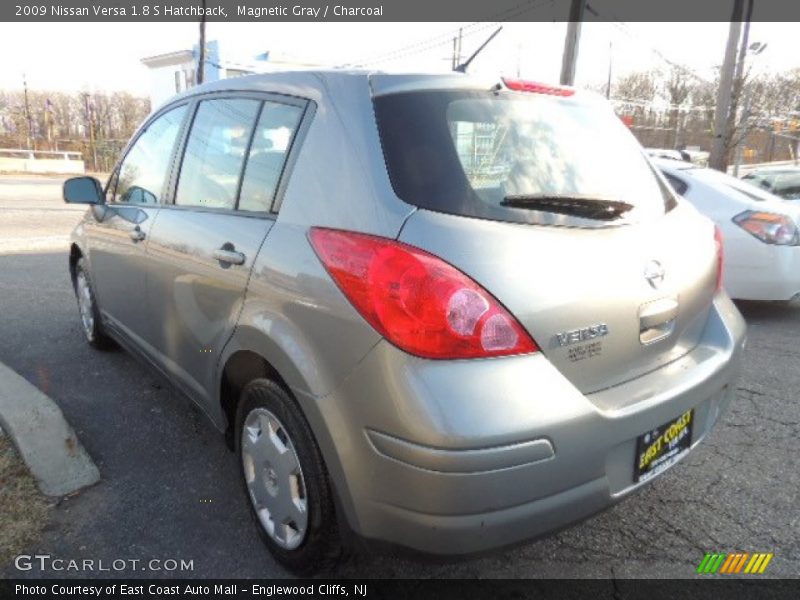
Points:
170	488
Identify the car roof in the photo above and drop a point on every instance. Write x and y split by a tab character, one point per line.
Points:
279	80
306	82
313	83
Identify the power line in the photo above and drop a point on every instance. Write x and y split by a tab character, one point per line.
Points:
421	46
624	28
447	38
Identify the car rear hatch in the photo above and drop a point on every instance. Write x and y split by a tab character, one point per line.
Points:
547	201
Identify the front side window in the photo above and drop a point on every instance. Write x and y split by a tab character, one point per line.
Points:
215	153
272	140
144	169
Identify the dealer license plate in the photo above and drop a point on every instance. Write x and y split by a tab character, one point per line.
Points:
656	450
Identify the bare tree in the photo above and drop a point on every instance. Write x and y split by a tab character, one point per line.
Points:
639	86
702	96
64	121
678	91
639	89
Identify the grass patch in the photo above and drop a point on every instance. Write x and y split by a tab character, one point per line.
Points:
24	511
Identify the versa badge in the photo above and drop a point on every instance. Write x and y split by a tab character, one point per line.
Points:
567	338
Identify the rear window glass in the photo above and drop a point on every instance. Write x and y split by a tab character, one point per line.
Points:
517	157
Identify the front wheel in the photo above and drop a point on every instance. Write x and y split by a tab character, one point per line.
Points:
285	479
91	324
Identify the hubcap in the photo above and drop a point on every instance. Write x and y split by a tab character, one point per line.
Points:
274	478
84	294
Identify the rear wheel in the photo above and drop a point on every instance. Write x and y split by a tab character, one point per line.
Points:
91	324
285	479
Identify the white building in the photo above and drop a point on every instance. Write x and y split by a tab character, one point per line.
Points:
169	74
175	72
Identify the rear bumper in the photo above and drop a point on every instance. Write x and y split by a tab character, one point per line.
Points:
758	271
461	457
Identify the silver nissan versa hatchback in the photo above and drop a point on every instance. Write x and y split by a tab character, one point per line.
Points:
434	311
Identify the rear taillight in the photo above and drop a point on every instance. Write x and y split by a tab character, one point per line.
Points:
720	255
417	301
770	228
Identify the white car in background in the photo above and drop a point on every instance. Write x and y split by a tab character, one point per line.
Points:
694	156
782	181
761	231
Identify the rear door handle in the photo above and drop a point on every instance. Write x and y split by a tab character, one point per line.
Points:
657	320
658	312
229	256
136	234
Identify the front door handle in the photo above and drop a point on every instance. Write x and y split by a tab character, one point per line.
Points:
136	234
228	255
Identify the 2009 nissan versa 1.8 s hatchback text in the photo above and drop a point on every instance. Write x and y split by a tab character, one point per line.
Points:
430	310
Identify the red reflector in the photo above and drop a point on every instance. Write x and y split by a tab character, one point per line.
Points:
521	85
417	301
720	255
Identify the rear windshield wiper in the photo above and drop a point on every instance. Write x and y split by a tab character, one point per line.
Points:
587	207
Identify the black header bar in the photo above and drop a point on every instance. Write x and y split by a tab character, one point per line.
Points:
386	10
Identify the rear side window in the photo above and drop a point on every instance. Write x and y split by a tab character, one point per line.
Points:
272	139
678	185
215	153
788	186
140	178
759	180
519	157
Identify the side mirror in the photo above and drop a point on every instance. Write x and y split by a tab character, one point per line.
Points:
83	190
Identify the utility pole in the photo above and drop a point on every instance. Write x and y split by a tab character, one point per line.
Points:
457	50
743	46
28	118
739	89
719	143
88	110
570	56
738	153
201	61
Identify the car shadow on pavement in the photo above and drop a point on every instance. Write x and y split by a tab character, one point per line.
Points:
753	309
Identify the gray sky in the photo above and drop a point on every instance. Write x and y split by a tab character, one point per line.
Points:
106	56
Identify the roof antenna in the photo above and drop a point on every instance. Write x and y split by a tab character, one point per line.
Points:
462	68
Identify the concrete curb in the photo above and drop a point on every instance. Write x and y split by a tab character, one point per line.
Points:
44	439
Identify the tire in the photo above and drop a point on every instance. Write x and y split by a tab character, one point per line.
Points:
91	323
285	480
